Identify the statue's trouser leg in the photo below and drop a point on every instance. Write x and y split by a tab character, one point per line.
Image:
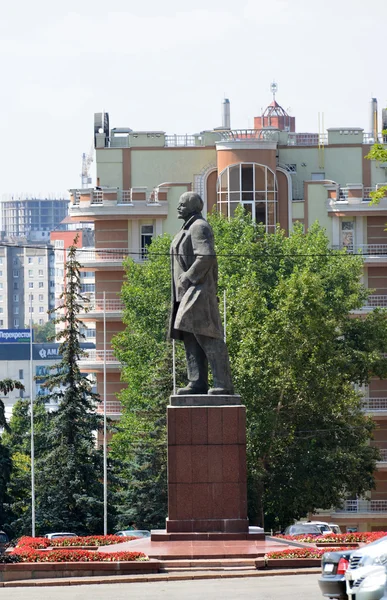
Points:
197	364
216	351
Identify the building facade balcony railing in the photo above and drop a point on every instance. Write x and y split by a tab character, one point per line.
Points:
113	408
383	452
375	405
376	301
363	506
108	256
366	250
307	139
114	195
98	357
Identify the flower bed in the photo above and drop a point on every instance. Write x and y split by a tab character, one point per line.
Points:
337	538
301	553
294	558
39	543
31	555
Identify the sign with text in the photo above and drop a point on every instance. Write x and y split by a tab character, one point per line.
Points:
11	336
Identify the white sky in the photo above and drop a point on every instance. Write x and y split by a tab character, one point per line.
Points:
163	65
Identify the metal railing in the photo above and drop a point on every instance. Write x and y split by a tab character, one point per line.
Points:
365	197
112	408
376	301
363	506
383	452
364	249
374	404
99	304
107	254
97	356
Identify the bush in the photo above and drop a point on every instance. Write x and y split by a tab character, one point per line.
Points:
9	558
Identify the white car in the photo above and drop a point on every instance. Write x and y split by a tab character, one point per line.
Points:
54	536
366	576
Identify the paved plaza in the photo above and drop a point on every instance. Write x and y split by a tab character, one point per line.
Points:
289	587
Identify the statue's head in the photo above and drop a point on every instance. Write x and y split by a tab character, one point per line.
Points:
189	205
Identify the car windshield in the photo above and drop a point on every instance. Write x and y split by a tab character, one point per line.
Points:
324	528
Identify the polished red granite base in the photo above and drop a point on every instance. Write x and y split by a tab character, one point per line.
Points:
200	549
207	489
162	535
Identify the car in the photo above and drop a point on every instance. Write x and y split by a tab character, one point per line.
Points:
365	577
303	529
334	527
139	533
3	541
332	581
54	536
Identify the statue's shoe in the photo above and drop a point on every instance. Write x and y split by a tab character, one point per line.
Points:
220	392
191	390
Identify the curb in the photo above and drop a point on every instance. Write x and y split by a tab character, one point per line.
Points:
184	576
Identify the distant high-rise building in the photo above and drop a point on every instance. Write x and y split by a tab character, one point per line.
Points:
31	218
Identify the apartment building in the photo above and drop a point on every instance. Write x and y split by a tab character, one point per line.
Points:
31	218
279	175
26	285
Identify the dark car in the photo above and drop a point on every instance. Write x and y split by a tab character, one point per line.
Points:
3	541
333	568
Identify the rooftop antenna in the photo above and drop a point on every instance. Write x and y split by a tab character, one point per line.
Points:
274	89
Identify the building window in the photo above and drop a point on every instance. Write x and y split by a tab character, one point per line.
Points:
16	273
30	259
40	297
87	274
318	176
21	374
30	297
1	286
21	393
30	284
15	285
30	273
14	262
31	309
1	260
1	322
1	309
40	321
254	187
15	310
347	234
87	287
16	323
146	238
16	297
40	260
41	284
1	273
40	272
52	284
41	309
59	243
52	272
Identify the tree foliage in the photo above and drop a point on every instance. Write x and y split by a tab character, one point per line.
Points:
295	354
6	386
378	152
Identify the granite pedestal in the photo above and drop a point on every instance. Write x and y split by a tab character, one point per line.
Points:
207	492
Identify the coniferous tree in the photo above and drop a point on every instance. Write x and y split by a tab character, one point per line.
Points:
69	488
6	386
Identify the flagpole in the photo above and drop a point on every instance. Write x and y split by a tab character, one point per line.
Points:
104	422
32	427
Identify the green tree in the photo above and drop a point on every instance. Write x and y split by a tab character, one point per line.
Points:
295	354
378	152
6	386
44	333
69	489
18	441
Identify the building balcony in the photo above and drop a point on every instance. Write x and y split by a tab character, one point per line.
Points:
113	408
372	253
99	203
108	258
382	464
361	507
376	407
372	303
94	360
355	198
96	307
